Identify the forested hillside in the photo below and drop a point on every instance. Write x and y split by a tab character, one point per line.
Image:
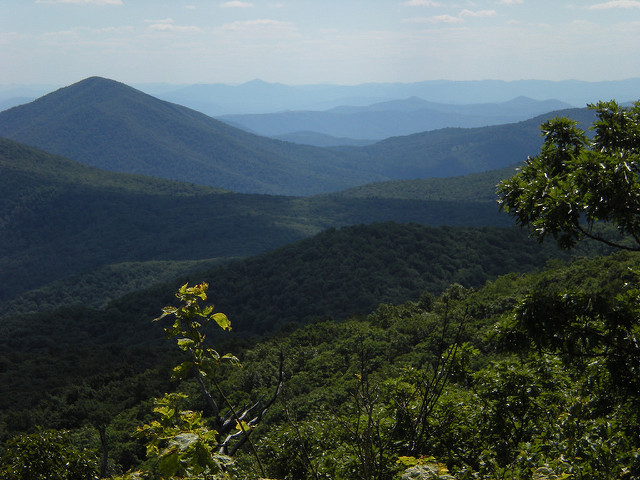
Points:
331	275
459	151
107	124
352	386
60	219
472	187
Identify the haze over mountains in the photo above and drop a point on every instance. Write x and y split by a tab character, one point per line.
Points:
107	124
262	97
258	96
392	118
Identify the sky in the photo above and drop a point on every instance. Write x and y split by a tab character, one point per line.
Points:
59	42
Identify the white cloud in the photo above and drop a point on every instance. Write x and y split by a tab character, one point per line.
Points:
236	4
435	19
615	4
450	19
265	22
510	2
479	13
116	30
83	2
421	3
168	25
164	20
261	27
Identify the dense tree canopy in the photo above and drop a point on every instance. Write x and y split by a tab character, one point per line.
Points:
575	183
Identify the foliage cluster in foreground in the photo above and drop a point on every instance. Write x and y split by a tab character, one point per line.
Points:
464	378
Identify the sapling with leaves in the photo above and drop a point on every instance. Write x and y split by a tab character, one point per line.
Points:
188	328
181	442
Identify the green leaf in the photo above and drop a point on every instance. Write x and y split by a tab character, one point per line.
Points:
407	461
181	371
222	320
184	441
213	354
185	343
228	357
243	426
169	464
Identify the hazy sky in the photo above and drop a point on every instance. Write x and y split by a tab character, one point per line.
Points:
316	41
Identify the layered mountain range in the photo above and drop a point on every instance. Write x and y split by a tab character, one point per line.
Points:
101	179
107	124
390	119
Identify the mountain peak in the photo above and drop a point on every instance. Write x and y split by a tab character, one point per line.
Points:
521	100
95	79
107	124
104	87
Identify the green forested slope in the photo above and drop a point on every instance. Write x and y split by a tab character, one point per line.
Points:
97	287
26	169
459	151
473	187
359	387
497	413
60	218
349	271
331	276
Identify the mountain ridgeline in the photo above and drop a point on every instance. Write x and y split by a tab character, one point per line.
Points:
64	219
259	97
107	124
393	118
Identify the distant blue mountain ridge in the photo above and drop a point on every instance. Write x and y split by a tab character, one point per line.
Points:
263	97
391	118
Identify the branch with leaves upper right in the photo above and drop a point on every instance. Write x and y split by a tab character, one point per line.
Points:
575	184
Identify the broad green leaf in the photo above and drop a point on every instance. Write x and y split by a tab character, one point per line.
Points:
232	359
169	464
222	320
213	354
185	343
183	441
